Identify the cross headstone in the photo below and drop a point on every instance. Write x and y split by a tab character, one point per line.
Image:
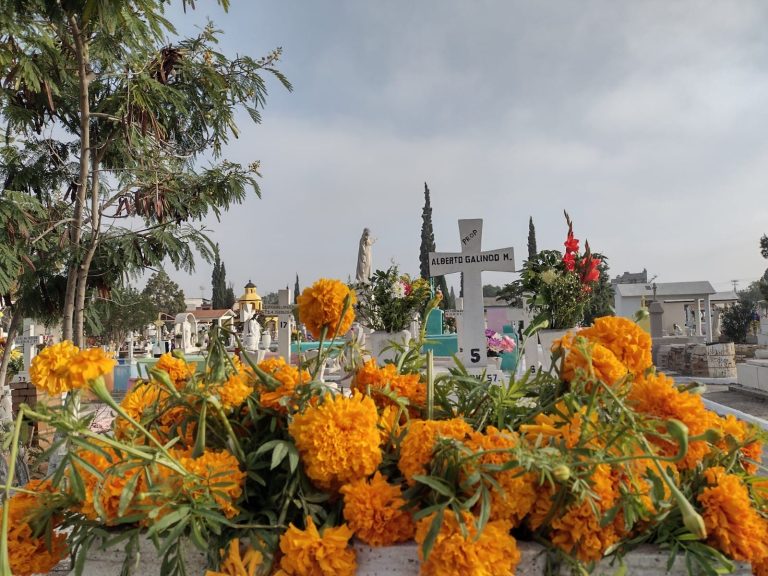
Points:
284	313
472	260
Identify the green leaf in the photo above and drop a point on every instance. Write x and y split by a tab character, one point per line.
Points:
278	454
437	484
127	494
434	530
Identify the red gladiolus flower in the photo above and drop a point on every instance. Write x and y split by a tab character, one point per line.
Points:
590	273
570	261
571	243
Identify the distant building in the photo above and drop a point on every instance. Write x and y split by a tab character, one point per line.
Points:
193	304
632	278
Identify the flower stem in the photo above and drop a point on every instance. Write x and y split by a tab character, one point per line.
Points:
5	561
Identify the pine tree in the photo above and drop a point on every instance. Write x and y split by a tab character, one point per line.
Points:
296	290
532	251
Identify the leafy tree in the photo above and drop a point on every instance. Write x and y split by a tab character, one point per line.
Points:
737	320
164	293
106	121
270	299
532	251
491	290
602	300
126	311
752	294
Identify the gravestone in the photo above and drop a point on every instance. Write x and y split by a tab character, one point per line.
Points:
435	323
185	330
285	322
472	261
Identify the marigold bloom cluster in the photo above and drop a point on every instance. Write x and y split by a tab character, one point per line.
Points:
494	551
373	510
178	369
629	343
516	493
63	367
416	448
29	552
409	386
289	377
102	495
321	306
217	476
733	525
307	552
235	390
338	440
593	359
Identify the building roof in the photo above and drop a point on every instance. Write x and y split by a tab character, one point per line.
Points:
729	296
494	302
211	314
665	289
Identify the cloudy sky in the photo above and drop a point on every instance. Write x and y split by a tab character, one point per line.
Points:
647	121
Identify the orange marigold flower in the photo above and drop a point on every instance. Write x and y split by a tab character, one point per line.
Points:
178	369
629	343
389	424
409	386
289	377
752	452
373	510
416	448
233	563
88	365
576	529
308	553
602	364
555	427
235	390
49	371
142	400
218	476
493	551
656	395
733	525
321	306
338	440
116	472
516	494
29	553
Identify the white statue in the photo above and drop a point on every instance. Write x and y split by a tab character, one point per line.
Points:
186	336
716	331
364	257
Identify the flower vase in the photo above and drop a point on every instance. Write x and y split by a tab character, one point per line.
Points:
546	339
378	340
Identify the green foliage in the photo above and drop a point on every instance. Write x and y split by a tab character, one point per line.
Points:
296	290
737	320
764	246
126	310
602	299
229	297
490	290
164	293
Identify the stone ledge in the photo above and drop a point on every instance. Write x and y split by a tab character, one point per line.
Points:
403	560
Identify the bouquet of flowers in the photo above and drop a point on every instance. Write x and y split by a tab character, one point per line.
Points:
390	300
557	286
498	343
268	471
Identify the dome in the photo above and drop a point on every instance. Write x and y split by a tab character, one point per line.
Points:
250	297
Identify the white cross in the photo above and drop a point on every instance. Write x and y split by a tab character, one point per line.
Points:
472	261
